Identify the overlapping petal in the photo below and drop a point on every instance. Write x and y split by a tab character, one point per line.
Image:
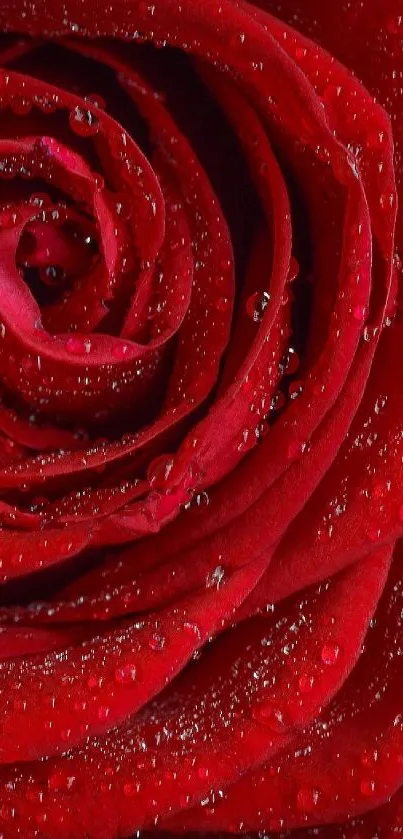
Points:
201	422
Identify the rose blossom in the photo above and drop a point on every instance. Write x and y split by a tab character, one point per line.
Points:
201	419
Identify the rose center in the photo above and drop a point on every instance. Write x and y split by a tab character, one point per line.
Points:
56	249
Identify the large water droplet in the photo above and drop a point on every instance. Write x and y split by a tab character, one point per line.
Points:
215	577
83	122
257	304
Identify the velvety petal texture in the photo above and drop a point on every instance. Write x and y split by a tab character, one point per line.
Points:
201	419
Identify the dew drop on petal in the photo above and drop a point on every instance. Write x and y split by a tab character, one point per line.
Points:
60	780
369	758
307	799
330	653
367	787
215	577
126	674
272	717
257	304
223	304
83	122
305	682
159	471
156	642
78	346
359	313
103	713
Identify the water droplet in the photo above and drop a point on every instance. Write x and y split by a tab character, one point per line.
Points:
215	578
40	199
359	313
159	471
295	389
394	24
200	501
307	799
278	401
330	653
156	642
276	824
369	758
331	93
257	304
60	781
306	682
289	363
97	100
52	275
367	787
78	346
126	674
376	139
294	449
103	713
191	629
20	105
83	121
271	717
120	351
223	304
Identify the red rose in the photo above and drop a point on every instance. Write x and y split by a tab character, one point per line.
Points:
201	422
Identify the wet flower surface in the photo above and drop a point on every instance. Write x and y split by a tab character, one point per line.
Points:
201	419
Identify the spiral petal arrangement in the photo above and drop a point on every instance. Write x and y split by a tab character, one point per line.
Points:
201	422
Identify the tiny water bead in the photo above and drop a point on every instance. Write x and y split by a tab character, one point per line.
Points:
306	682
394	25
359	313
223	304
52	275
295	389
75	345
307	799
369	758
270	716
103	713
61	781
289	363
330	653
83	121
367	787
125	674
156	642
20	105
159	471
256	305
200	501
